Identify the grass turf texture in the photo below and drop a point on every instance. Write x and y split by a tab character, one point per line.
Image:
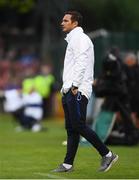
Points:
28	155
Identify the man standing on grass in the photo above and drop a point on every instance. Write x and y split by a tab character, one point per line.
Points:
77	88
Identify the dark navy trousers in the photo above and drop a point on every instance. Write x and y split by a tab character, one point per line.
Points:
75	107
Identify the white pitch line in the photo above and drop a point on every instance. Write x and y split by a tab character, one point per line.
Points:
50	175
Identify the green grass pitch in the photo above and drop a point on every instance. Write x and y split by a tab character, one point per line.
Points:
28	155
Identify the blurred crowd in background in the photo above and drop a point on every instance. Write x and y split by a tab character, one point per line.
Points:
31	62
27	85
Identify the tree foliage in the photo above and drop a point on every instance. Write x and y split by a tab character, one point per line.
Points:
114	15
22	6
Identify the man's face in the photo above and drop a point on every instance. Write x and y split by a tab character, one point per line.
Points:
67	24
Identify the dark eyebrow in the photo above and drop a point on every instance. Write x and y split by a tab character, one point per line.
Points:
65	20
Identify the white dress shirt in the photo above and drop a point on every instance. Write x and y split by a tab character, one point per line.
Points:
78	63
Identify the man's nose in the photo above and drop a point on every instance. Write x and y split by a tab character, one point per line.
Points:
62	23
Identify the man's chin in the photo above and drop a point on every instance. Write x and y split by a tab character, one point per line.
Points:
65	30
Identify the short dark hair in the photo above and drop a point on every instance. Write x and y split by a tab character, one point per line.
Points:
75	16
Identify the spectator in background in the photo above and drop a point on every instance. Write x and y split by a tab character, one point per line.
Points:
33	112
13	102
32	102
28	81
45	85
27	56
132	73
112	86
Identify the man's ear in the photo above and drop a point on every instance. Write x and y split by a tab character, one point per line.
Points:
75	23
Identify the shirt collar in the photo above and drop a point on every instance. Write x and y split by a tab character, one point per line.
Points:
72	32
